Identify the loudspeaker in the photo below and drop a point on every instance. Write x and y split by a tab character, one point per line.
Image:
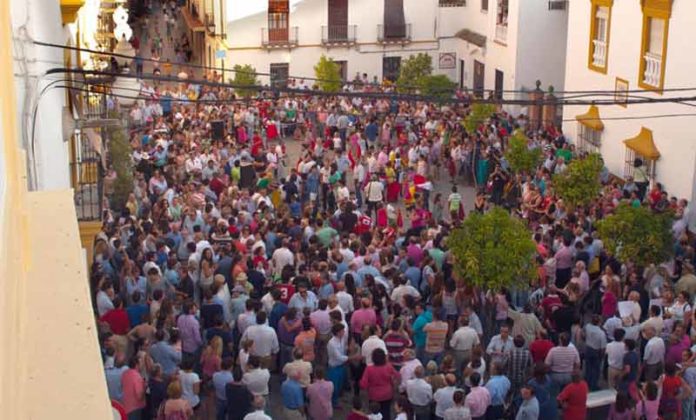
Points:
218	130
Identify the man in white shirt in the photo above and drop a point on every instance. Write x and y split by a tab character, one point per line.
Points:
462	341
404	288
265	340
458	411
653	355
615	354
345	300
373	194
444	397
371	344
258	414
408	368
256	378
420	394
282	257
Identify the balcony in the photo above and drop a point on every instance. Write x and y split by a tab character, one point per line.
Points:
279	37
599	54
394	34
501	33
653	69
210	23
452	3
338	35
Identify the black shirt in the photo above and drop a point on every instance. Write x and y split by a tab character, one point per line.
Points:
209	311
348	221
238	401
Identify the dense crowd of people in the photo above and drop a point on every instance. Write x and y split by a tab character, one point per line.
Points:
230	264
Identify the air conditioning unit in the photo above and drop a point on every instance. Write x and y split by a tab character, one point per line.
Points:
558	4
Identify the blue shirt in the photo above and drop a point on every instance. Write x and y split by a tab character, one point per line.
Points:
296	301
135	313
498	386
368	269
413	274
279	309
113	382
371	131
165	354
418	333
220	379
291	391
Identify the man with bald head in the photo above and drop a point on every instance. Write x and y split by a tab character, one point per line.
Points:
420	394
653	355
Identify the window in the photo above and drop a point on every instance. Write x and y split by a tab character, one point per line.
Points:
391	67
653	52
452	3
484	5
279	74
501	21
599	35
588	139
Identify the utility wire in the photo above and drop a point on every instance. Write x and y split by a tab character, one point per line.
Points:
200	66
380	95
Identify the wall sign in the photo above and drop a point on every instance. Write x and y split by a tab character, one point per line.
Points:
447	61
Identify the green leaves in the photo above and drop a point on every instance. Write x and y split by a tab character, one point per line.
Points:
580	183
415	71
637	234
244	76
518	154
329	75
438	86
493	250
119	150
478	115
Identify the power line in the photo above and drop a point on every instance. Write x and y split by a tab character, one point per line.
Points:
235	101
380	95
200	66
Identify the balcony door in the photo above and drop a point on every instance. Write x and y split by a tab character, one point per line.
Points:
279	74
479	73
338	20
278	20
394	19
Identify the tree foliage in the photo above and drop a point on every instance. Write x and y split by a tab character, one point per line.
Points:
438	86
580	183
119	152
478	115
493	250
637	234
414	73
518	154
329	74
245	76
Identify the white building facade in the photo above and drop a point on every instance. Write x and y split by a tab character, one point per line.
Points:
635	49
480	44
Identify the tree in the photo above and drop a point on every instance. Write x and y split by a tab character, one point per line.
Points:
478	115
414	71
580	183
518	154
119	152
245	76
493	250
329	75
638	235
438	86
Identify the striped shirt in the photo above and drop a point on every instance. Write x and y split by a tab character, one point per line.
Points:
562	359
396	344
436	334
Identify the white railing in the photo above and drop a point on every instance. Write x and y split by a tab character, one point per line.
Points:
653	69
501	33
599	55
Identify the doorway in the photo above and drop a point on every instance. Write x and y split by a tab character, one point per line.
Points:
462	74
498	84
391	67
479	78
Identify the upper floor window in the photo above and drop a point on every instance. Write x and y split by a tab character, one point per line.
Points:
484	5
653	52
599	35
501	21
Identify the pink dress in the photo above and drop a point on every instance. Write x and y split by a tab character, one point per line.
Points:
319	395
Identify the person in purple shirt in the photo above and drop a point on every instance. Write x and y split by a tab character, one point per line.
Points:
189	329
564	263
414	251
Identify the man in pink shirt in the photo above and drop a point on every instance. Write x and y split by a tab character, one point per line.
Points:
478	399
361	317
133	386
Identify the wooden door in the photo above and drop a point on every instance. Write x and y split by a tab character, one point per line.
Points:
498	84
338	20
278	21
462	73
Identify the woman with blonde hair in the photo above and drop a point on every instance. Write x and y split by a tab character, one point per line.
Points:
175	407
211	359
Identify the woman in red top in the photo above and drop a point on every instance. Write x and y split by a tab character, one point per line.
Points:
670	402
379	380
573	398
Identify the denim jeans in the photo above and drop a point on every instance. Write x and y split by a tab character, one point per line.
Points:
220	409
593	361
